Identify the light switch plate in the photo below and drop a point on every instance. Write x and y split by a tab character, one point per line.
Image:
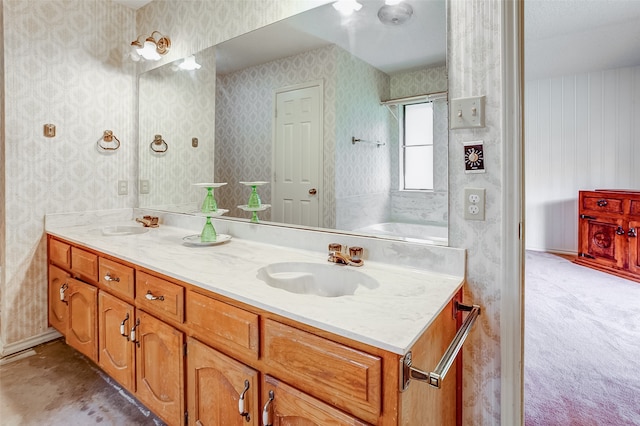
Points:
466	113
474	203
144	186
123	187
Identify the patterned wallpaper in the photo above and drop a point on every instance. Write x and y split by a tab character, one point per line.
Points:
179	105
54	74
65	64
475	67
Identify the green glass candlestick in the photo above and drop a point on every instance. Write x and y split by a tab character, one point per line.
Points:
254	198
209	205
208	234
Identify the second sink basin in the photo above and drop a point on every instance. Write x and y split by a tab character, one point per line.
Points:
123	230
326	280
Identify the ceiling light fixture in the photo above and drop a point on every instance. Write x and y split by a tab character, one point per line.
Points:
189	64
347	7
396	14
152	48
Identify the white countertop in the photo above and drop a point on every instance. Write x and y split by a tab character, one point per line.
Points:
390	317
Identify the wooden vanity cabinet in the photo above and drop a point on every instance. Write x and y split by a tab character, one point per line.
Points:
287	405
187	353
216	383
160	368
82	326
58	305
608	228
116	352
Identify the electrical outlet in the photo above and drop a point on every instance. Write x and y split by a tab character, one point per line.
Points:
144	186
123	187
474	203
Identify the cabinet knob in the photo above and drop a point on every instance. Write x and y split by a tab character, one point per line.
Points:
313	191
620	230
632	232
123	331
602	203
63	288
132	334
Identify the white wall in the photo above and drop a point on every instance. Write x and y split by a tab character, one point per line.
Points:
582	133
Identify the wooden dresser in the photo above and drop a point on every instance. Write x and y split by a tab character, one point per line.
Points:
608	227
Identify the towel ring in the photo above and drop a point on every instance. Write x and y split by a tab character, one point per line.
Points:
108	137
158	144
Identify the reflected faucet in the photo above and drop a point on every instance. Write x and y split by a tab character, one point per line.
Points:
353	259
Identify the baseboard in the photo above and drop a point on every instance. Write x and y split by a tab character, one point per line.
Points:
22	345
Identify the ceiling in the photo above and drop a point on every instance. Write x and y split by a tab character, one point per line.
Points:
561	36
575	36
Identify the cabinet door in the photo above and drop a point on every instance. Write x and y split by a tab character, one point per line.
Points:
633	234
214	385
160	368
603	240
290	407
116	353
82	325
58	286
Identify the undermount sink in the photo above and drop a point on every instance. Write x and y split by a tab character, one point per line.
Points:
123	230
326	280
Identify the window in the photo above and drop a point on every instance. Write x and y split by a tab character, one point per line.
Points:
416	149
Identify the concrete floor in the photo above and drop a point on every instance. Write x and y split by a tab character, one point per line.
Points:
57	385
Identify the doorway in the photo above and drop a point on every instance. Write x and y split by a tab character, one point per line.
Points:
297	155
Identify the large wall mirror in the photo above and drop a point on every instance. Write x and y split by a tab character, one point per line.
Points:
342	118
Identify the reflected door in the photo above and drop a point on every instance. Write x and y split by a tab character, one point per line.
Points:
297	155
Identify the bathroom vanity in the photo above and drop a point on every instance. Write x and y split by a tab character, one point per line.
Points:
197	338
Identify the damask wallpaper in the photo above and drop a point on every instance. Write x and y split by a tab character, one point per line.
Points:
65	64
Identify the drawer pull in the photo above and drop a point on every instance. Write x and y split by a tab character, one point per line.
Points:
266	411
435	378
122	328
109	278
150	296
620	230
241	402
632	232
602	203
63	288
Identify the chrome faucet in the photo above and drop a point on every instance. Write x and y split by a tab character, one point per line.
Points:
353	259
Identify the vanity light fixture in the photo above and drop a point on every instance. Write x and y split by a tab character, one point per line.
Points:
347	7
152	49
189	63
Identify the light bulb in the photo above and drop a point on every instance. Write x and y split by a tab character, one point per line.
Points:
189	64
347	7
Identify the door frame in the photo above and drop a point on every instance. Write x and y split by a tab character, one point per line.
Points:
320	186
512	202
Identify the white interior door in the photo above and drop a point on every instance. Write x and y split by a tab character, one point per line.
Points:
297	155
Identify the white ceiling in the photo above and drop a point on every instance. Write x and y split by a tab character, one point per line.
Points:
575	36
388	48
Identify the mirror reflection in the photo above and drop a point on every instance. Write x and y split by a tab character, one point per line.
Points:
344	119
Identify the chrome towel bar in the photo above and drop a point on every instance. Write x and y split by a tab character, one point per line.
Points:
435	378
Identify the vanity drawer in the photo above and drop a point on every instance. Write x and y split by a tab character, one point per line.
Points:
159	296
222	325
84	263
60	253
347	378
117	278
602	203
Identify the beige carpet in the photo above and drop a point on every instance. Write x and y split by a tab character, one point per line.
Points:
59	386
582	345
